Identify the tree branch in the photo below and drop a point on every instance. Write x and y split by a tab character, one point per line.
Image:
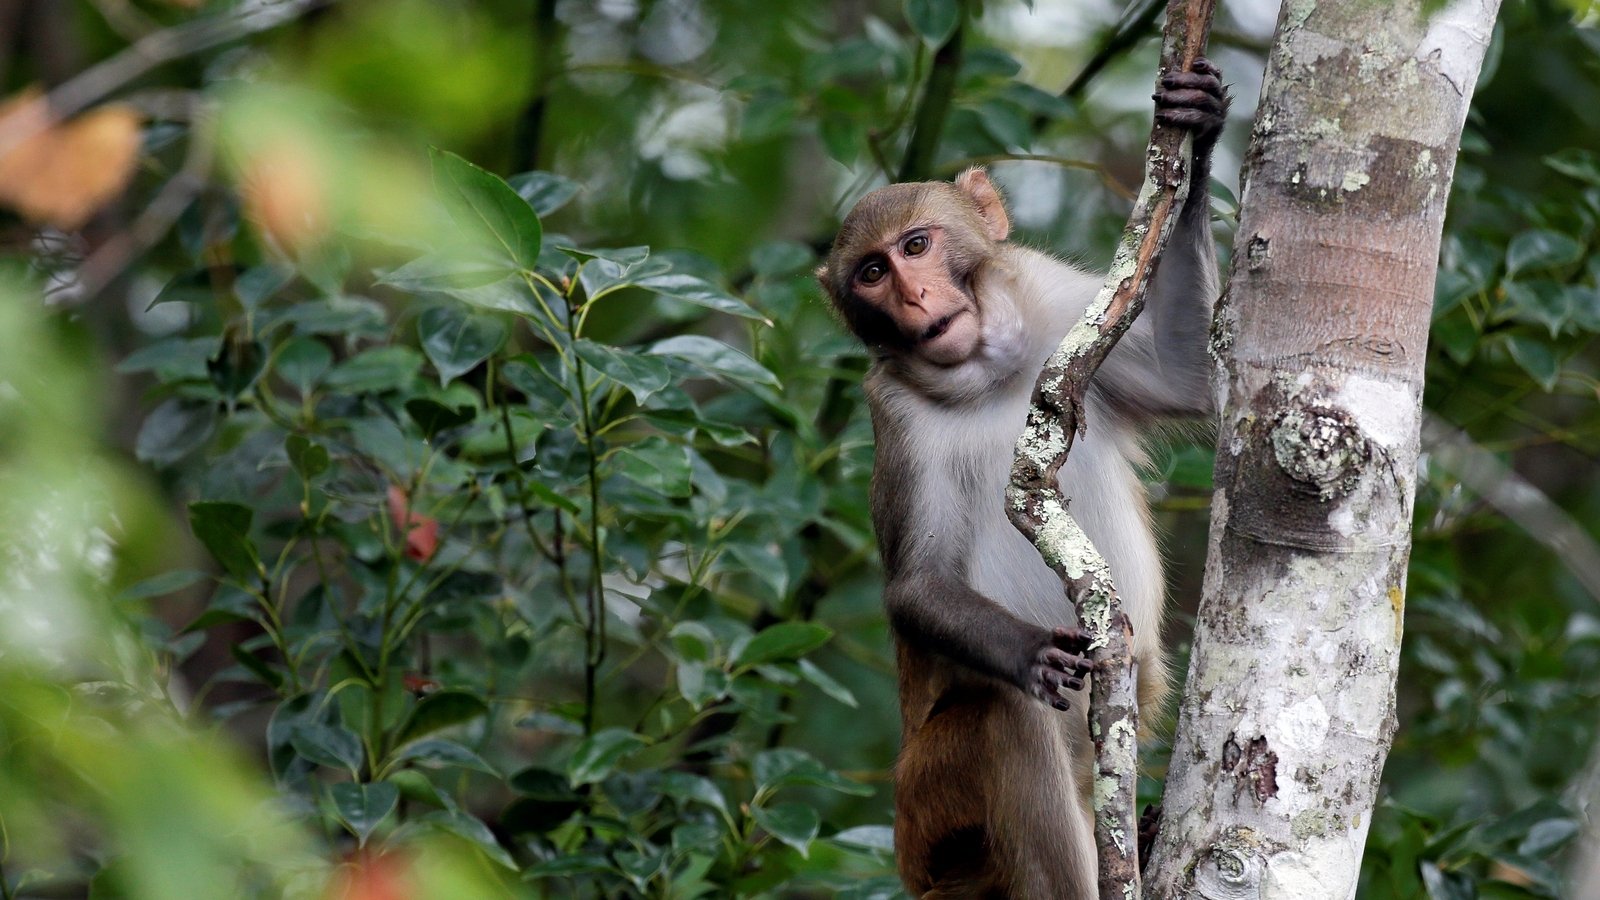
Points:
1036	504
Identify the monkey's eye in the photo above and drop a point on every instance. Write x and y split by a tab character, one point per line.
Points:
872	272
916	245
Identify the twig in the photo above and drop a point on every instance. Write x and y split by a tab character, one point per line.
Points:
1038	508
934	107
1066	162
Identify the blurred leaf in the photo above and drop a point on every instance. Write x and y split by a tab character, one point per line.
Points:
224	529
1541	249
933	20
685	786
363	806
302	362
259	284
795	824
161	585
433	417
480	202
1576	162
308	459
173	359
1540	303
785	640
237	364
175	429
1548	836
1537	358
1444	885
439	711
715	358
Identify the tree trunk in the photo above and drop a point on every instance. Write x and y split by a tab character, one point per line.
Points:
1320	338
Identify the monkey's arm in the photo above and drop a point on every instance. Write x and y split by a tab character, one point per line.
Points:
941	613
1160	367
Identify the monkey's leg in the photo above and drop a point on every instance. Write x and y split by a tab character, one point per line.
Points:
941	835
1039	800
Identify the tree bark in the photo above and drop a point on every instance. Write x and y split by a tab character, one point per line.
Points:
1320	339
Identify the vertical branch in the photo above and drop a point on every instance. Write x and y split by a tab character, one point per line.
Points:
927	126
1035	502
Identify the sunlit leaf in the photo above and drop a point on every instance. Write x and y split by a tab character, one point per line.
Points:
482	203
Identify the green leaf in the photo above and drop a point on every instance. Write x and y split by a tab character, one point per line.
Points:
825	683
433	417
236	365
700	292
308	459
160	585
480	202
787	766
544	191
872	838
1577	163
689	787
224	529
440	752
1540	302
714	358
257	666
642	375
376	370
471	829
795	824
363	806
302	362
175	429
174	359
1541	249
933	20
260	284
326	745
693	641
656	464
785	640
456	341
1537	358
599	753
623	258
439	711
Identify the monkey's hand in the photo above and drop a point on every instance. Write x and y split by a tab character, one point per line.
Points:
1196	100
1060	663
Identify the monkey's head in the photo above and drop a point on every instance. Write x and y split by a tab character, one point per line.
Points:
901	269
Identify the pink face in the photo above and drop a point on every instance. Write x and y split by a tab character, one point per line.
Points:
907	281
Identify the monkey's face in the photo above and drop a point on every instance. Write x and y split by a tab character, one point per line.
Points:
902	268
909	279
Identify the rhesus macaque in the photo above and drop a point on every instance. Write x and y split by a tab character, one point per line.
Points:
992	784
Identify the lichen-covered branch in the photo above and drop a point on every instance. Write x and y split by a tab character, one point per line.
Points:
1036	504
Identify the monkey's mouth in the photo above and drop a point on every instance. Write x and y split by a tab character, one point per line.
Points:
940	327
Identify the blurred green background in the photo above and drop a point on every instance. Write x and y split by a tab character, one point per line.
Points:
428	468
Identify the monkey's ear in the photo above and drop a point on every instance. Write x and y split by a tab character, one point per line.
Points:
975	183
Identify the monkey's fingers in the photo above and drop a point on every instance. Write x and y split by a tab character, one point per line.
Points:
1072	640
1047	687
1190	98
1205	67
1195	81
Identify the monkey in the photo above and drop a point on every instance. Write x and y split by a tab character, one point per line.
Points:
992	779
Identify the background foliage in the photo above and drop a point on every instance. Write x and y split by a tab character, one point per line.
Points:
428	468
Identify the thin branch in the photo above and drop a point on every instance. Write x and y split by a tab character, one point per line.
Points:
103	79
1039	509
1066	162
158	216
934	107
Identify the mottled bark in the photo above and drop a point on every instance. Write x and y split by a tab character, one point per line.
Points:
1320	340
1035	502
